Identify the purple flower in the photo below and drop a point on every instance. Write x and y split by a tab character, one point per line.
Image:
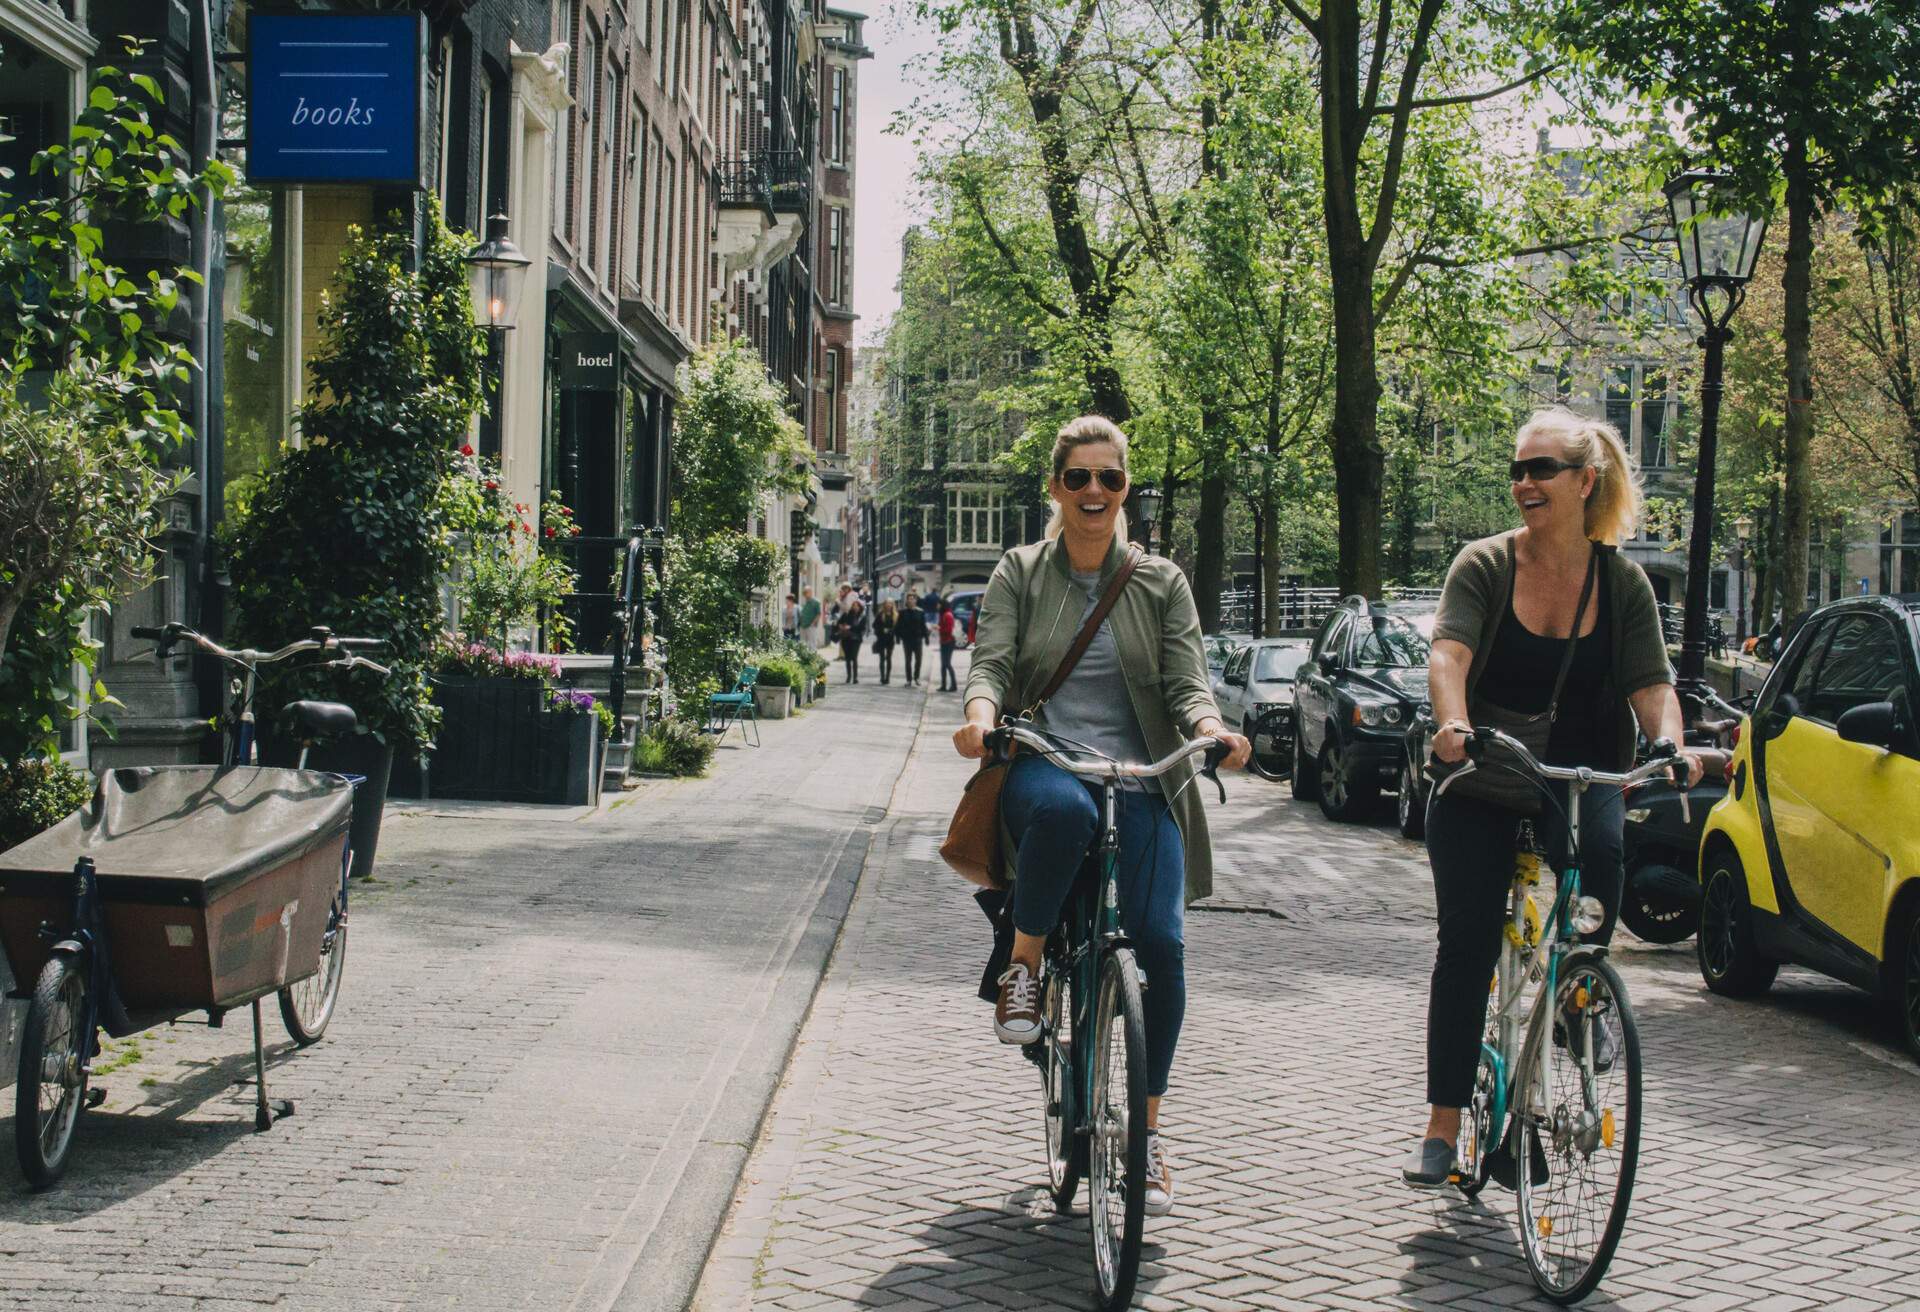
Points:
573	700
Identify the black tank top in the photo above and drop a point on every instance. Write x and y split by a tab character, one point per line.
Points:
1522	666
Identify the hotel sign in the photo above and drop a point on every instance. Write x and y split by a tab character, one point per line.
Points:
335	98
590	361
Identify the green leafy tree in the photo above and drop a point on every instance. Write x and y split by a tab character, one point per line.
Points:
89	391
734	445
355	528
1809	102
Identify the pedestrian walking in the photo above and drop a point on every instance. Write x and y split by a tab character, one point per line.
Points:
851	629
790	618
808	619
1550	634
911	631
884	623
948	640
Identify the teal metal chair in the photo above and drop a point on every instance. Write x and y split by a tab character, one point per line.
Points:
725	709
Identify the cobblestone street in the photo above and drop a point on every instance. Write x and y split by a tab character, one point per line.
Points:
557	1033
902	1167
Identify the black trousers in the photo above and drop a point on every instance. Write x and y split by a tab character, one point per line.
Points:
885	652
1470	844
910	658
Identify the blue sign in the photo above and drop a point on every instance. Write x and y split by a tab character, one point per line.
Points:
335	98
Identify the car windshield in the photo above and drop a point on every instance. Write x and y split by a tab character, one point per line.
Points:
1277	664
1391	642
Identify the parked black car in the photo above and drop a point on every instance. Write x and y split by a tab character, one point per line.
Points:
1354	701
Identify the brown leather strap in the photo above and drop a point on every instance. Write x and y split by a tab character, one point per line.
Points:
1084	639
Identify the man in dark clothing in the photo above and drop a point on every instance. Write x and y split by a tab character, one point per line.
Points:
911	631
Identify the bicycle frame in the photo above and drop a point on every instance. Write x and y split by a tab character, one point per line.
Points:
1092	932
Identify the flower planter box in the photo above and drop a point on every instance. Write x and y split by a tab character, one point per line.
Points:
499	743
772	703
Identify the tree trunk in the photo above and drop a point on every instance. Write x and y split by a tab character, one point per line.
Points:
1797	432
1210	536
1270	551
1358	462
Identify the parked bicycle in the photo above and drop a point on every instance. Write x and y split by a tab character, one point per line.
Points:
179	889
1092	1049
1556	1099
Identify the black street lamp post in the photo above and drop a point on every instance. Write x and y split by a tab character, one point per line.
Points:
1147	497
1718	243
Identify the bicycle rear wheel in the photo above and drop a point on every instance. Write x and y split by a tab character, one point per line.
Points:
1477	1123
1066	1146
52	1088
1587	1127
307	1005
1117	1137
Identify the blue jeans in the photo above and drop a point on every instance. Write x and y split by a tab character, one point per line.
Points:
1054	818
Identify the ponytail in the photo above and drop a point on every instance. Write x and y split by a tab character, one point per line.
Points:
1613	507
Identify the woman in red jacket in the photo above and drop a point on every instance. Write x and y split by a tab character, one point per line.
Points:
948	681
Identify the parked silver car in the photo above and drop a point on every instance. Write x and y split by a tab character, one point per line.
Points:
1255	692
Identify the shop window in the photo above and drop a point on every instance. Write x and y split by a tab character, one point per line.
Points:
251	282
973	517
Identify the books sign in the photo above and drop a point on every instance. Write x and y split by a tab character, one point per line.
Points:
335	98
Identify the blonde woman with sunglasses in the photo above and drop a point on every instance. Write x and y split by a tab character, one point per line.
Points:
1549	633
1139	691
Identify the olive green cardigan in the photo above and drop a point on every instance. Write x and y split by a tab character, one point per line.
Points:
1475	599
1028	620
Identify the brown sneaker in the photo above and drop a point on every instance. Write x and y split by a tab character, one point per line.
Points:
1016	1018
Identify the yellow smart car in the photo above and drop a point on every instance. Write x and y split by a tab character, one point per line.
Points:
1813	856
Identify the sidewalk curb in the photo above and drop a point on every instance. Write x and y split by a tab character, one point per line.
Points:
673	1253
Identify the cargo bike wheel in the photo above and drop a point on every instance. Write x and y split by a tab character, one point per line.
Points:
307	1005
52	1087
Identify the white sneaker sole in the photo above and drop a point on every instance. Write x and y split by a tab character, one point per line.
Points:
1159	1209
1018	1037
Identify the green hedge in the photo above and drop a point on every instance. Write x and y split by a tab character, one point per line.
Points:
36	794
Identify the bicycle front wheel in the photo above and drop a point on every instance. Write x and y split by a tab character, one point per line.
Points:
52	1088
1584	1124
1117	1147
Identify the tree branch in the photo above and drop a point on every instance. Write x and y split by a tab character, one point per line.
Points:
1021	278
1465	98
1305	19
1397	139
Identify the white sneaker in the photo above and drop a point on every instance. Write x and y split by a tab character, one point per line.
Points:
1159	1176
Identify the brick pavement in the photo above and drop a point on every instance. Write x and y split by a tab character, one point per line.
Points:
558	1032
900	1166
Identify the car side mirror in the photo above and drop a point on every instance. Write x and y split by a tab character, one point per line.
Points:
1326	662
1877	724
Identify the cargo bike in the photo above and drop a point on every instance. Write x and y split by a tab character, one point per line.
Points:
180	889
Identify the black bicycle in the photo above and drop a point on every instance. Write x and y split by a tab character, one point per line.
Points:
1093	1042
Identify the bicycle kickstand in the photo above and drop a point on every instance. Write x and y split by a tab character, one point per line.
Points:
265	1110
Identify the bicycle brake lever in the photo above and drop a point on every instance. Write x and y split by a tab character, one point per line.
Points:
1213	772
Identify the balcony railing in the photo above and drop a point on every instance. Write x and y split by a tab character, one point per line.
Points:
772	180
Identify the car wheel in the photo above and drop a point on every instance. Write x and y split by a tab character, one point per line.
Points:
1411	804
1344	795
1301	782
1906	976
1730	962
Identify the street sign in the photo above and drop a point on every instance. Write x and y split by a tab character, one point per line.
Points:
590	362
336	98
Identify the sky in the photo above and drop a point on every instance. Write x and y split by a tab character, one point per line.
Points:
884	193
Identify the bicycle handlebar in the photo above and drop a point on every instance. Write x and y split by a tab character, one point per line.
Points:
1100	767
1664	762
320	639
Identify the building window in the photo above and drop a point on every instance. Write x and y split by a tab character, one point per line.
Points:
973	517
661	165
833	399
566	212
1655	412
837	119
836	254
634	234
1619	400
441	171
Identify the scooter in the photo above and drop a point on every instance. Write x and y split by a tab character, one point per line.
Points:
1661	837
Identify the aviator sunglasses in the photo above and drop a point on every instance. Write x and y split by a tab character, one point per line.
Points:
1539	469
1077	478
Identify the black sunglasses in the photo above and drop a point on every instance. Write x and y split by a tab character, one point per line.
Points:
1539	469
1077	478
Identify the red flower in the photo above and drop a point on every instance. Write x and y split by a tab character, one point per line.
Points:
466	450
526	528
493	485
566	512
549	532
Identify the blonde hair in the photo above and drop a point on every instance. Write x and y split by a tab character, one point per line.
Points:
1085	431
1613	507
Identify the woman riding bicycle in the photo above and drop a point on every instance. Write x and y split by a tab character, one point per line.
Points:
1550	634
1137	693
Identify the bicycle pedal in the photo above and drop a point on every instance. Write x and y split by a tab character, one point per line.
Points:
95	1097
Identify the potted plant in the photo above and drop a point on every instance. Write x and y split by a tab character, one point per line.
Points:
583	723
355	528
773	687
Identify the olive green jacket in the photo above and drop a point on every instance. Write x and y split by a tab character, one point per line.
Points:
1028	620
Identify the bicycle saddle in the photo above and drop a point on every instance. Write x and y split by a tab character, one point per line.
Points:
322	719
